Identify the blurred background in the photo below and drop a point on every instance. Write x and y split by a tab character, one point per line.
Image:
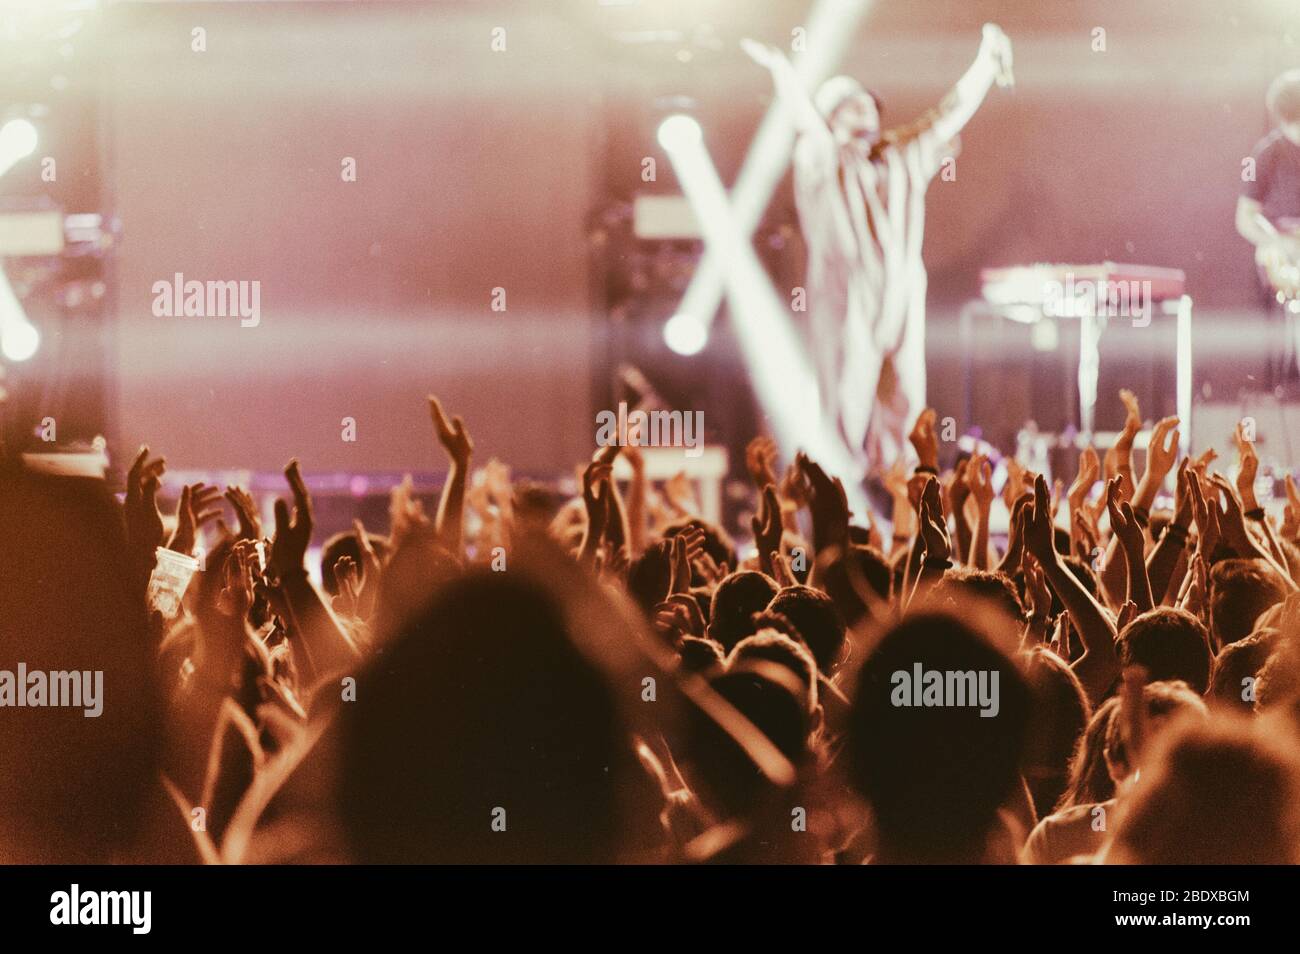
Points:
496	247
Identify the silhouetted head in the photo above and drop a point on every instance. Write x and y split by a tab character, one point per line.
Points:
1237	667
485	732
1216	793
819	623
1170	644
1060	713
738	597
1090	780
75	787
936	734
1240	591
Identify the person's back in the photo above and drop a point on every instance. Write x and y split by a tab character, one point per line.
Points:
485	732
81	780
935	737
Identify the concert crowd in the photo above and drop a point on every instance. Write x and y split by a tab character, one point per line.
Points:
1096	670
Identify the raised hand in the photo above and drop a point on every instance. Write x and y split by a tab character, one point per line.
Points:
1089	470
1291	511
1202	463
680	615
1194	597
1085	536
1040	532
347	602
767	528
1123	447
979	478
781	571
1247	468
680	494
679	574
1232	521
958	488
406	518
829	505
250	525
199	505
1132	543
1162	451
451	505
240	578
1039	597
995	45
144	524
933	531
1015	485
595	491
925	440
292	530
1123	523
451	434
1016	533
760	461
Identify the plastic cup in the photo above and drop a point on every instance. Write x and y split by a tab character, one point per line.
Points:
170	578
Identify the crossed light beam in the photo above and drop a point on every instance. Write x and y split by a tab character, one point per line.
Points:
830	29
784	380
783	377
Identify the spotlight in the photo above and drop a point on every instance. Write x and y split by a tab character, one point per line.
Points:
678	132
17	141
19	341
19	338
685	334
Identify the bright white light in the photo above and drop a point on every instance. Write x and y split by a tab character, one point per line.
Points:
679	132
685	334
19	341
18	338
784	381
17	141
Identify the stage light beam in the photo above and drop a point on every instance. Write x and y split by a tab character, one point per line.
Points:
18	140
19	341
831	25
685	334
19	338
678	132
783	377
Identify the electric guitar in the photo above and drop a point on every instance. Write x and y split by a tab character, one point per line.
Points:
1279	264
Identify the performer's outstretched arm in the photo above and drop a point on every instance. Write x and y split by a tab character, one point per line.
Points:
992	63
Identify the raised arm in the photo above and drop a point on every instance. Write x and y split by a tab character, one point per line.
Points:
1099	664
451	508
992	63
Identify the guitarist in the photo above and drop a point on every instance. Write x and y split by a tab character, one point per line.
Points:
1268	213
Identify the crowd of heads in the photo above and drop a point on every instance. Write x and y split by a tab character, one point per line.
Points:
1107	672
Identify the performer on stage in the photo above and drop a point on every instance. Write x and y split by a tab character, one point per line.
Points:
861	199
1268	216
